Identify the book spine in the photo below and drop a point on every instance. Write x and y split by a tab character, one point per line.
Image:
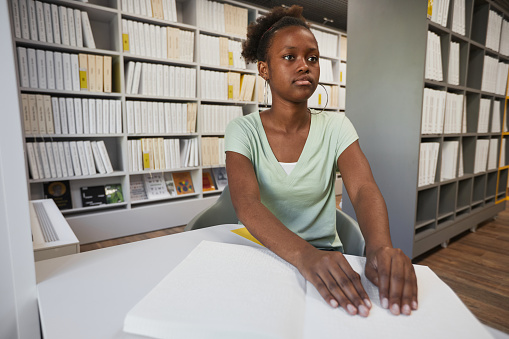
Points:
41	69
48	21
75	158
88	37
63	115
23	14
23	67
51	159
97	157
41	27
56	115
56	24
32	19
34	171
68	159
64	25
104	156
48	112
56	156
50	70
71	26
78	28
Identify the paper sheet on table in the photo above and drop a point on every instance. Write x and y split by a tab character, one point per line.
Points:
234	291
441	313
224	291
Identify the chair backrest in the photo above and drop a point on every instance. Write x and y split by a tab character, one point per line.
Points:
222	212
350	234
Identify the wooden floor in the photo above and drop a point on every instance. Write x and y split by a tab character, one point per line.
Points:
474	265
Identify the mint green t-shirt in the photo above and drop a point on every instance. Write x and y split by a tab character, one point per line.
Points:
304	200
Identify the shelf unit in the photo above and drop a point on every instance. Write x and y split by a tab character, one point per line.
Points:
386	82
92	224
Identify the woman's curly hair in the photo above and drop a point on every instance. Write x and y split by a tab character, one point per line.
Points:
260	32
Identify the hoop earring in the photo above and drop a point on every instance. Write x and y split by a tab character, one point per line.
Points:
265	92
326	101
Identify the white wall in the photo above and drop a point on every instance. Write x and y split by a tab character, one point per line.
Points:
19	316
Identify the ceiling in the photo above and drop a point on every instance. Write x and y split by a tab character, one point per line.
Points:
335	9
314	10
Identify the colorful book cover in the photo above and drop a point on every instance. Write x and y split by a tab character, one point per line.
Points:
114	194
183	183
208	182
60	192
93	196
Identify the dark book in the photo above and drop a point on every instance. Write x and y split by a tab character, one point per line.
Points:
60	192
220	177
113	194
170	185
93	196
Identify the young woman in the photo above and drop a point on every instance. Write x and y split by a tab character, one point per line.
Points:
281	166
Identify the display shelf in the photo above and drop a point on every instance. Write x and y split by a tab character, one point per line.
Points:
158	98
151	20
442	210
170	170
79	177
62	48
113	95
159	200
218	192
229	69
106	23
100	5
74	136
122	205
150	135
166	61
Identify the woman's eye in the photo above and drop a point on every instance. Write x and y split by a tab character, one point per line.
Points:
288	57
313	59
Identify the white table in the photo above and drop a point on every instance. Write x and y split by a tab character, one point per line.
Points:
87	295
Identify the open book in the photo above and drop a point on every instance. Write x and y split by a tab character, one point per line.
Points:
234	291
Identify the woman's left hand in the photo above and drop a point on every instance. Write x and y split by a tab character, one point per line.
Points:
392	271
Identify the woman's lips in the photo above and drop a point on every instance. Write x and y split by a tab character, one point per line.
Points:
302	81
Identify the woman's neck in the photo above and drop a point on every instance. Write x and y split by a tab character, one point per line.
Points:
287	117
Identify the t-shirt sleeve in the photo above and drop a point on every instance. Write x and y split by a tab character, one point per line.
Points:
347	135
236	138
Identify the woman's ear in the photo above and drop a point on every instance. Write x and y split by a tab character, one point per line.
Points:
263	70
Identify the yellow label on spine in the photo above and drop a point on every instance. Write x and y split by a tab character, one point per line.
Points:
319	99
230	91
146	161
430	8
83	80
230	58
340	76
125	41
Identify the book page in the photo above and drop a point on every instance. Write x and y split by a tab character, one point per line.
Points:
224	291
441	313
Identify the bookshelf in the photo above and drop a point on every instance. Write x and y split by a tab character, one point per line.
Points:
388	79
107	19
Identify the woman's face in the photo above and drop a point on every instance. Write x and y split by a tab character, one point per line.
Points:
293	67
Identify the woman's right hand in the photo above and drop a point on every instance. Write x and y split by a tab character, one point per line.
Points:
335	280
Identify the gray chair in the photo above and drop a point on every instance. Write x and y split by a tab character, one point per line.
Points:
222	212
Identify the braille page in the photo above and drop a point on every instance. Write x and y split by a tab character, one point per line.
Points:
224	291
441	313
